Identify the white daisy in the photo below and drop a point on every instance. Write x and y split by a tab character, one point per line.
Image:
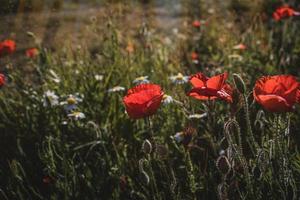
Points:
98	77
179	78
76	115
236	56
197	116
53	76
71	102
141	80
167	99
50	99
116	89
179	137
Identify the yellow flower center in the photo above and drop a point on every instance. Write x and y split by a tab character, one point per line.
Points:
76	113
165	96
179	76
140	78
71	100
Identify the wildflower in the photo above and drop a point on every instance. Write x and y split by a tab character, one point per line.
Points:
123	182
167	99
240	47
179	79
277	93
284	12
71	102
141	80
130	47
7	47
99	77
2	80
197	116
54	77
211	11
47	179
32	52
196	23
195	57
185	136
236	56
143	100
50	98
77	115
116	89
210	88
147	147
175	31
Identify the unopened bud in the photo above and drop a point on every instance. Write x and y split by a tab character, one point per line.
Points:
223	165
147	147
239	83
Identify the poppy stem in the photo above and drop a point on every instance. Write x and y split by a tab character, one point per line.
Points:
190	172
149	125
278	138
252	141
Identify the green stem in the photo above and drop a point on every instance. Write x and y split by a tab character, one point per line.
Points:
249	129
190	172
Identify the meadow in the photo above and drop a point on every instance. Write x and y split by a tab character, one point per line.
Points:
150	100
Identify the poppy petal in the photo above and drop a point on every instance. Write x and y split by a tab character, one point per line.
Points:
274	103
198	80
217	82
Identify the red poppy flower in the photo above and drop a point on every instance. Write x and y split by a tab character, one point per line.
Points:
284	12
32	52
143	100
277	93
47	179
196	23
240	47
194	56
298	95
7	47
210	88
2	80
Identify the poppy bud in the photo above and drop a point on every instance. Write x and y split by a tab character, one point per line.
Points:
147	147
145	178
239	83
161	151
223	165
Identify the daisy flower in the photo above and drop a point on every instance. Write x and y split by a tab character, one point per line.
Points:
236	56
167	99
141	80
116	89
185	136
76	115
71	102
53	76
197	116
179	79
50	99
179	136
98	77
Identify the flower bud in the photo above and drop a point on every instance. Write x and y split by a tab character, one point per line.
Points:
223	165
239	83
147	147
161	151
